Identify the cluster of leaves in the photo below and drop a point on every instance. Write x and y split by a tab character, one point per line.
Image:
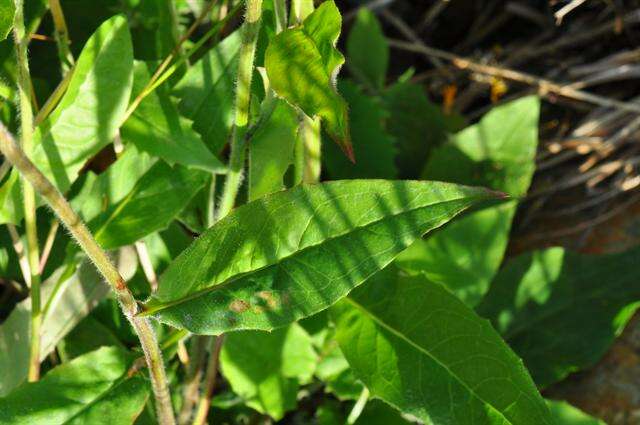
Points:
356	299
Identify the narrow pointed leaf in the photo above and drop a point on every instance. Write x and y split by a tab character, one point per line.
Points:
560	310
7	12
368	50
93	388
296	252
302	64
420	349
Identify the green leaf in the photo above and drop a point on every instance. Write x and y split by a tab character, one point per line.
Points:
205	92
372	145
7	12
379	413
93	388
420	349
271	151
334	370
266	368
560	310
154	35
293	253
154	201
73	293
565	414
88	115
368	50
302	65
416	124
498	153
157	128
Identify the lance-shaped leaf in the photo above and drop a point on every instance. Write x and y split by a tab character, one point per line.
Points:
89	113
302	64
7	12
560	310
71	293
368	50
420	349
293	253
157	128
93	388
159	195
565	414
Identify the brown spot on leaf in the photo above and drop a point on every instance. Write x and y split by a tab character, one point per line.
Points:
239	306
268	298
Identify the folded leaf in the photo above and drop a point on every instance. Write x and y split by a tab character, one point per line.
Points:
266	369
93	388
157	128
7	12
497	153
89	113
302	64
73	293
205	92
560	311
296	252
154	201
420	349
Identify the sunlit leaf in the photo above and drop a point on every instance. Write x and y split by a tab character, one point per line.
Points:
293	253
565	414
7	12
420	349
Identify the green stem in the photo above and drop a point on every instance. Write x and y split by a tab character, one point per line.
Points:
358	407
61	36
29	197
103	263
209	381
250	32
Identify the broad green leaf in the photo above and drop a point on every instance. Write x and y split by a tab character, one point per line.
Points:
7	12
89	113
157	128
372	145
205	92
560	311
266	369
565	414
88	335
154	35
498	153
334	371
379	413
368	50
93	388
416	124
154	201
302	65
72	293
293	253
420	349
271	151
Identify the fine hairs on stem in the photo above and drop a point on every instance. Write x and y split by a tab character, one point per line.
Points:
103	263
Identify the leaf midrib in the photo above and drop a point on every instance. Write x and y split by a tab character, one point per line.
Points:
152	309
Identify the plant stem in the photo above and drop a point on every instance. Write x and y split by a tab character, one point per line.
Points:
29	197
358	407
61	36
250	32
105	266
209	381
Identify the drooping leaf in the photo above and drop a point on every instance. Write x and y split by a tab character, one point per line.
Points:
416	124
498	153
271	151
73	293
302	65
265	369
420	349
7	12
205	92
293	253
565	414
89	113
93	388
157	128
560	311
154	201
372	145
368	50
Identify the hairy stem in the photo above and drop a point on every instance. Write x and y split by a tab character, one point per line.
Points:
103	263
250	32
61	36
29	197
